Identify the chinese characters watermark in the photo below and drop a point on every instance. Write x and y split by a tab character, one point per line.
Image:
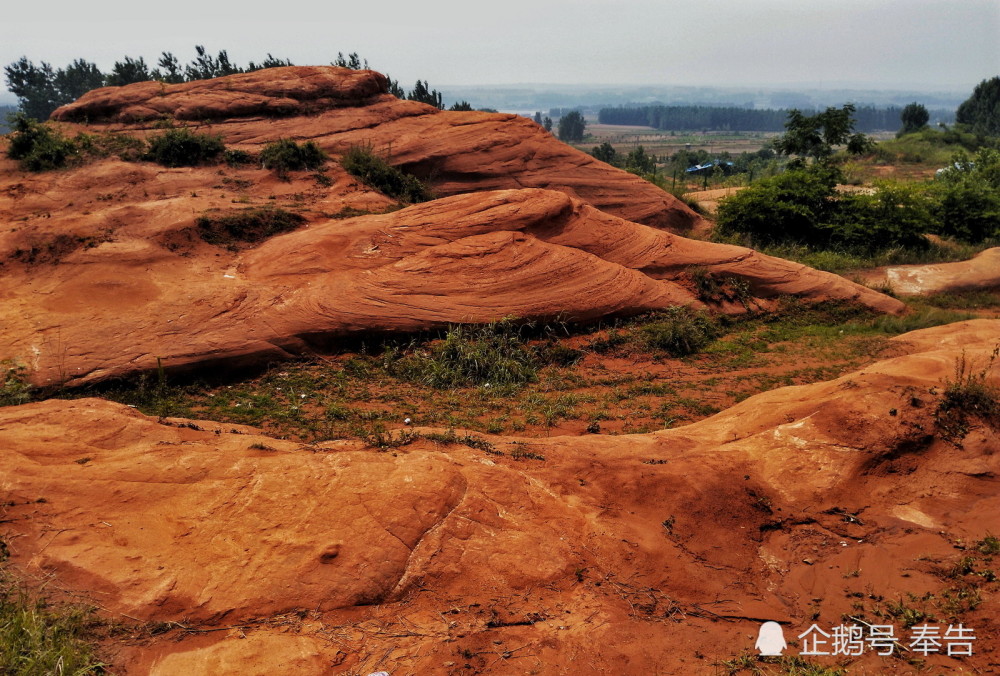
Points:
852	640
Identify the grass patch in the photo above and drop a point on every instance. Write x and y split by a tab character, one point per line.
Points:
679	332
246	226
375	172
38	639
123	146
238	158
675	332
973	299
540	378
285	155
495	354
184	148
919	318
846	260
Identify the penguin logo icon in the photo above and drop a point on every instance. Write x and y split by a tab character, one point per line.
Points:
771	639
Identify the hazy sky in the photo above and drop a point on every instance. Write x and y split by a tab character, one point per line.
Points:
894	44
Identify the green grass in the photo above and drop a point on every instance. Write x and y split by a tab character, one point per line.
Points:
973	299
39	639
843	260
928	146
539	378
679	332
787	665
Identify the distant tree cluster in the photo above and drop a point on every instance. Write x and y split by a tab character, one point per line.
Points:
733	118
802	205
572	126
545	122
818	136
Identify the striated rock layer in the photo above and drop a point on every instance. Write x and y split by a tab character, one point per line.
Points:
456	152
657	553
156	294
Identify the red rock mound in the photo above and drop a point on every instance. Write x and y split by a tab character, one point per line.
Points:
657	553
456	152
109	308
292	90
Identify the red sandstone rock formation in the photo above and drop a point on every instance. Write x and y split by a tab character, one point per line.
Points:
611	551
155	293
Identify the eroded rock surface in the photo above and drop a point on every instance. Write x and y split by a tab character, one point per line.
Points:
796	505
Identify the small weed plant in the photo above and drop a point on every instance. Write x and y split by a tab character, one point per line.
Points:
786	665
968	395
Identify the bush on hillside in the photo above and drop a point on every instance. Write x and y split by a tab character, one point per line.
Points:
286	155
896	214
37	146
184	148
375	172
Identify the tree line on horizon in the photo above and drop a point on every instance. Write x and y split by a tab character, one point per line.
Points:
735	118
40	89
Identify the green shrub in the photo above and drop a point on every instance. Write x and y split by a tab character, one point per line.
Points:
896	215
37	146
789	207
679	332
802	207
14	387
375	172
246	226
184	148
970	197
286	155
237	158
468	355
